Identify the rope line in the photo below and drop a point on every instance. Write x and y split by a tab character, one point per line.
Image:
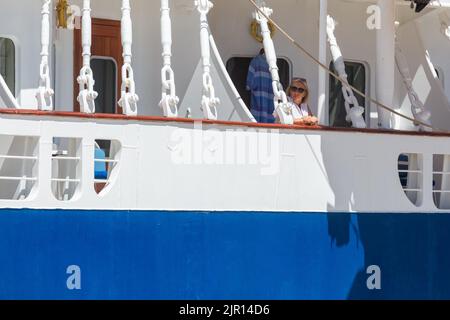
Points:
337	77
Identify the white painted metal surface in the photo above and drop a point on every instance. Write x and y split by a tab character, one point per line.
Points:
277	170
417	107
45	93
209	102
322	109
385	61
169	99
87	95
303	171
6	95
129	99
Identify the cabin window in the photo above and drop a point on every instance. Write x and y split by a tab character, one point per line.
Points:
18	166
409	166
8	62
106	162
237	68
441	181
357	77
66	167
105	71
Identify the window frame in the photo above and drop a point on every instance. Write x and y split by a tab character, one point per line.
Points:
116	80
368	104
16	44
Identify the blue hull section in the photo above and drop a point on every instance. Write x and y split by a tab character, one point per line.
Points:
199	255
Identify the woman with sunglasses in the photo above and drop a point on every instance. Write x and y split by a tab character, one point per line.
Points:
298	94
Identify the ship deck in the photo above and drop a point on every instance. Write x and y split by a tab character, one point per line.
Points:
79	115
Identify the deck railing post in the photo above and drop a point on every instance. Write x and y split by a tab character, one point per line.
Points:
87	95
417	106
282	107
209	100
129	98
169	99
45	93
354	110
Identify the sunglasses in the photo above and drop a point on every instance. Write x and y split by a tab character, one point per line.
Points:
297	89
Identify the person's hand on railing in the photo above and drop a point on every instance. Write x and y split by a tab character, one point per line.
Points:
307	121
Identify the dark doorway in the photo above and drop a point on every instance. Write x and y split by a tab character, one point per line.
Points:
356	73
237	68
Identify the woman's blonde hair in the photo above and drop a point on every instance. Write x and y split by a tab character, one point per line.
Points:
304	82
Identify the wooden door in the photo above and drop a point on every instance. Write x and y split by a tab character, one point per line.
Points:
106	42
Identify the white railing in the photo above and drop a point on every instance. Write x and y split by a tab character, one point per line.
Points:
282	108
107	161
129	99
354	110
230	82
442	172
70	180
417	106
67	158
209	102
24	178
169	100
410	171
18	157
87	94
45	93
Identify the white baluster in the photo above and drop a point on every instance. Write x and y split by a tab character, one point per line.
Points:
385	58
45	92
355	113
129	98
169	100
209	100
417	107
87	95
282	107
322	109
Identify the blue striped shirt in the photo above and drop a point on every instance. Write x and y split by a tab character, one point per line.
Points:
259	82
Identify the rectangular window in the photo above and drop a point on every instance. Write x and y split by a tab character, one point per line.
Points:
357	77
105	70
410	173
8	63
441	181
